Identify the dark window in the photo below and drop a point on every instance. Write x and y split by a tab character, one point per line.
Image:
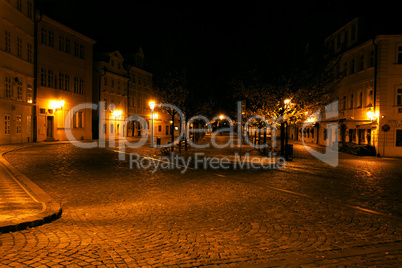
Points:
399	137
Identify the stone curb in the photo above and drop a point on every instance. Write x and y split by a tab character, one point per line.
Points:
51	210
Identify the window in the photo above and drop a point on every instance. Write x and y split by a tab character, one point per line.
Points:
51	38
7	41
64	81
43	77
361	67
370	98
360	101
81	52
399	54
19	91
67	46
371	62
30	9
105	81
112	83
9	92
111	128
19	47
351	102
43	36
343	103
399	137
62	43
78	85
7	124
29	93
78	50
50	78
29	52
399	97
18	123
78	119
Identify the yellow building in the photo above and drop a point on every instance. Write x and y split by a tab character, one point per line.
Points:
64	80
16	71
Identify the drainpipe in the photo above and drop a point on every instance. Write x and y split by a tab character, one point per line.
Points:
35	84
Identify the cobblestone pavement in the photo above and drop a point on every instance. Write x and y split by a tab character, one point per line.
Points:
306	215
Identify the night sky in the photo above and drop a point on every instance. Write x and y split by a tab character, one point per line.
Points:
216	43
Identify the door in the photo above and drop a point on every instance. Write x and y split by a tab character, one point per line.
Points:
49	130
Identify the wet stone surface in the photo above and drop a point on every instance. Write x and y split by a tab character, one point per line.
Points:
114	216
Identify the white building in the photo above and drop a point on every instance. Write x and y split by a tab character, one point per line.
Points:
16	71
369	91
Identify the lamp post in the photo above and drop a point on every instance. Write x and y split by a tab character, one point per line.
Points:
284	135
152	106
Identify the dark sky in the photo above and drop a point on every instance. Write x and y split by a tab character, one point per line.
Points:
215	42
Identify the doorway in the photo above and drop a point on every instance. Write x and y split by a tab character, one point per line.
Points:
49	130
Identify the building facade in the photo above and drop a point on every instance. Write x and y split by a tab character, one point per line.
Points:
16	71
110	93
369	92
64	81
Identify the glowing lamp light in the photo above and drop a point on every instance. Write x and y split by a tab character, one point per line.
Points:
151	105
287	102
117	113
56	105
155	116
221	117
370	114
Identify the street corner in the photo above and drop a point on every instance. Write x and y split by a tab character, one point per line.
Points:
23	204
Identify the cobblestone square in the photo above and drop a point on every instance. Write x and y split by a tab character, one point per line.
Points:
305	215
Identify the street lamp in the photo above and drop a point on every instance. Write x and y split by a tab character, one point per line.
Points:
152	106
116	113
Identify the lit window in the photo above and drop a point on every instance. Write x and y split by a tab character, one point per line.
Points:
29	93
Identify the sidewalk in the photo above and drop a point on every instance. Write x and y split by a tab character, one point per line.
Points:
22	203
